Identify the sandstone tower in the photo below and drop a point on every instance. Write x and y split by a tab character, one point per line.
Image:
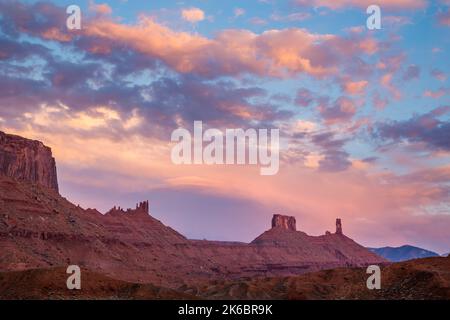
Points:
338	226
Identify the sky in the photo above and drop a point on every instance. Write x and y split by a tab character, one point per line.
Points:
364	115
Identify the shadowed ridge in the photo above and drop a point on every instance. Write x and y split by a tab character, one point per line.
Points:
51	284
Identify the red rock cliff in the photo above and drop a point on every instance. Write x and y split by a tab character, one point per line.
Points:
28	160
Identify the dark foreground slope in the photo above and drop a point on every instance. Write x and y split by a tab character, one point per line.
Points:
417	279
51	284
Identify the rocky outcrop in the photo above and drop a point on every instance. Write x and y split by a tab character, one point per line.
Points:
141	207
27	160
284	222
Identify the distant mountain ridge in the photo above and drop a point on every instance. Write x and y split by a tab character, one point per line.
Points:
403	253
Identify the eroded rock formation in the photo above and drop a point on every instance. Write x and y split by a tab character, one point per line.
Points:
141	207
27	160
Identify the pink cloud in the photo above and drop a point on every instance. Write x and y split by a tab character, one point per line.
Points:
369	45
56	34
355	87
436	94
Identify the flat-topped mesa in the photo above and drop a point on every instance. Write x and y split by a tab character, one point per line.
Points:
338	226
285	222
141	207
27	160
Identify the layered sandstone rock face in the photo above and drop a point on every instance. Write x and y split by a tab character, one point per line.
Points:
27	160
284	222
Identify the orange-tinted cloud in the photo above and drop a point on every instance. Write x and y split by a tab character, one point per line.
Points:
276	53
355	87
